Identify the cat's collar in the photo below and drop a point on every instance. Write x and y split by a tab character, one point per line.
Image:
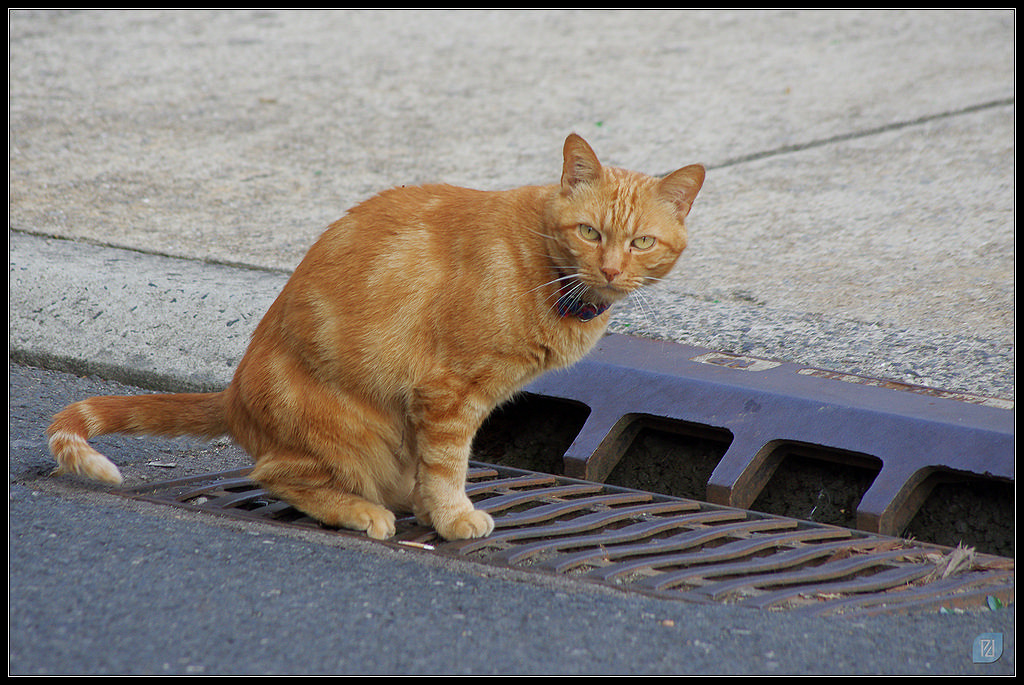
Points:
571	304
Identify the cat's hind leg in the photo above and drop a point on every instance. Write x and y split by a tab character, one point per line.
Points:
316	491
329	452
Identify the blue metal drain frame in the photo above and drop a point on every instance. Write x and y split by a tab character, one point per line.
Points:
917	434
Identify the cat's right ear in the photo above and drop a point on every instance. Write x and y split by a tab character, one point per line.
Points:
579	165
681	188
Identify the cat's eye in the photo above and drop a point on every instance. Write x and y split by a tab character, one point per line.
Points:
644	242
589	233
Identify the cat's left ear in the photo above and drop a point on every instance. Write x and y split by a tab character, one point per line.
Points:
681	188
580	164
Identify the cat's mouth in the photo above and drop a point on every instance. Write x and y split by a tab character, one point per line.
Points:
603	291
608	291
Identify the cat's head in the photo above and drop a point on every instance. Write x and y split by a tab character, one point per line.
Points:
617	230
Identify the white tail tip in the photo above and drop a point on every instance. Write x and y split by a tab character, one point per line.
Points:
74	455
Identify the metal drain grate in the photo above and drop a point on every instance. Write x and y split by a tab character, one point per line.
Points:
658	545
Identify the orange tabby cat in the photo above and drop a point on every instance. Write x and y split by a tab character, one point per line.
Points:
407	322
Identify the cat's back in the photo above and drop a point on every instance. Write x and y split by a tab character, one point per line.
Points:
422	253
448	215
414	277
426	234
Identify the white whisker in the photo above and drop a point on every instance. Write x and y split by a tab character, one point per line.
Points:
638	302
643	303
573	295
542	235
551	282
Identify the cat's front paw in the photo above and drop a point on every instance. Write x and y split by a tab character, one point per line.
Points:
378	522
470	524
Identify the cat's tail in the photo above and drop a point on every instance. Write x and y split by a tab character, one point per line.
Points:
168	415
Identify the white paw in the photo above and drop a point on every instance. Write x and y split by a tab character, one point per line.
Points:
378	522
469	524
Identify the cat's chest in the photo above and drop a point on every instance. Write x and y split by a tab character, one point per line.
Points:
570	340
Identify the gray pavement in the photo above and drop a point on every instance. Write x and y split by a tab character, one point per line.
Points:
167	170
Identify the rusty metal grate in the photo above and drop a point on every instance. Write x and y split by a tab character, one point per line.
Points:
661	546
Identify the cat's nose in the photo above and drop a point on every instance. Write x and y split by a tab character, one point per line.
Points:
610	273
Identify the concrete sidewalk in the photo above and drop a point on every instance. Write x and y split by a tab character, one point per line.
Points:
167	170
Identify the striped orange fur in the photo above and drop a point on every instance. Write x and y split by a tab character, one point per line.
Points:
406	324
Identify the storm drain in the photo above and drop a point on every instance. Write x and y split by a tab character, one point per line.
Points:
915	438
662	546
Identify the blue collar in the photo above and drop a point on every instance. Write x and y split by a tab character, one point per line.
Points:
570	304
